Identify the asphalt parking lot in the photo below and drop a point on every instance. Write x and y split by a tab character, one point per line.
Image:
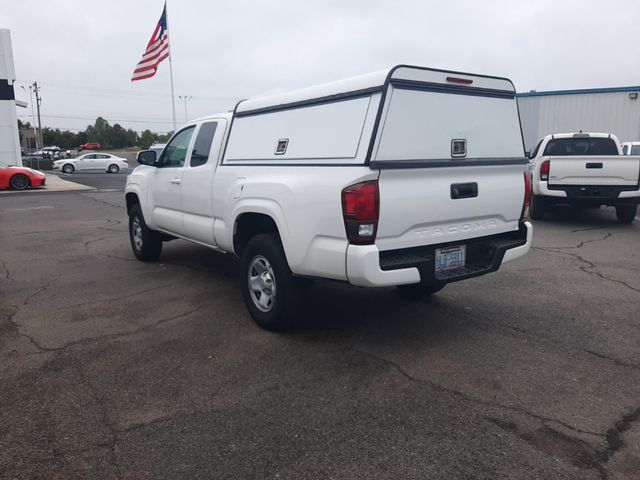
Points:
111	368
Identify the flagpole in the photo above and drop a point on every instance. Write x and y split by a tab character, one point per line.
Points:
173	99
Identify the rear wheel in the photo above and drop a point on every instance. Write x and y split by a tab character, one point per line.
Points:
68	168
266	282
626	213
113	168
146	243
418	290
537	207
19	182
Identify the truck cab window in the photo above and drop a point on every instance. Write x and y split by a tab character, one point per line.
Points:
175	152
202	145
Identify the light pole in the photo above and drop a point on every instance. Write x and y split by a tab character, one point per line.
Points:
33	114
185	99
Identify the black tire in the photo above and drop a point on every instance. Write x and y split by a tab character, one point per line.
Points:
419	290
277	313
113	168
19	182
537	207
626	213
68	168
145	243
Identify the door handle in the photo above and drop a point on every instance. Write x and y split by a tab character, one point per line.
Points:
594	165
177	181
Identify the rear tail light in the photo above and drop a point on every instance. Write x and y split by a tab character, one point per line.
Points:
544	170
524	215
360	210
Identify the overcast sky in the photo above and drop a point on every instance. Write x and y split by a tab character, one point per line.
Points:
82	53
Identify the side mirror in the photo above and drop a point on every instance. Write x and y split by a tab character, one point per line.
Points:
146	157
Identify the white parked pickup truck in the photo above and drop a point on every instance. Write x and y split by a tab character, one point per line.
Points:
409	177
584	170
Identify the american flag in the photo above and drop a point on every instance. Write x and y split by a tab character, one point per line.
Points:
157	50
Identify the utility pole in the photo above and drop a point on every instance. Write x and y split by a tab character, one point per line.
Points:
185	99
33	115
36	89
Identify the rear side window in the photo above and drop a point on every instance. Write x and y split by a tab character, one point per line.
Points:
635	150
202	145
581	146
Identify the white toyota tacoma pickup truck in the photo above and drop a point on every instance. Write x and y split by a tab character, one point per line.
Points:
584	170
409	177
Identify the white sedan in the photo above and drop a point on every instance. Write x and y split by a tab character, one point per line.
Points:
103	162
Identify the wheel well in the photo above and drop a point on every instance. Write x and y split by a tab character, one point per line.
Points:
248	225
132	199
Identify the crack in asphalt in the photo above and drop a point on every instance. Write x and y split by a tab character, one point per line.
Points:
614	434
97	200
7	272
104	417
40	290
119	297
10	319
599	457
589	267
485	325
88	242
583	243
469	398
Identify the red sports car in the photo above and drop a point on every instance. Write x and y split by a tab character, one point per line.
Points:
90	146
20	178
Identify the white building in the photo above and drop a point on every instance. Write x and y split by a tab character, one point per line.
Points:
610	110
9	139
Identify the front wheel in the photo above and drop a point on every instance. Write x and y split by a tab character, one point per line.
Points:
68	168
19	182
626	213
537	207
418	290
267	284
113	168
146	243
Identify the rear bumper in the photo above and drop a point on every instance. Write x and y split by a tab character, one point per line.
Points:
368	267
590	194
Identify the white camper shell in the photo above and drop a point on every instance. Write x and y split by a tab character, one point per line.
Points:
400	114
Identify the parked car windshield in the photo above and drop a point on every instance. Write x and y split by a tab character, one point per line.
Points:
581	146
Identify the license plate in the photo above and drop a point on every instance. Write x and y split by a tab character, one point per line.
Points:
450	258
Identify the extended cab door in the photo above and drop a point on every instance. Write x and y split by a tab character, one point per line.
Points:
166	181
197	181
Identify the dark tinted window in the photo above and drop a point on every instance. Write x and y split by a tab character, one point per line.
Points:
635	150
202	145
175	152
581	146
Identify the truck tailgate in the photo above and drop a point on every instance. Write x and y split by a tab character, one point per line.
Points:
618	170
426	206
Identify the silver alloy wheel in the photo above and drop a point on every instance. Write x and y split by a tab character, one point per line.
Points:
137	233
113	168
262	283
67	168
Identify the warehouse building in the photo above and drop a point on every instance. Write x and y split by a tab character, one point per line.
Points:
610	110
